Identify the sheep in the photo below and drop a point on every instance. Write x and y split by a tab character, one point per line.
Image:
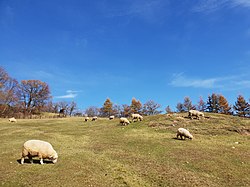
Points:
136	117
12	120
111	117
86	119
196	113
94	118
124	121
184	133
42	149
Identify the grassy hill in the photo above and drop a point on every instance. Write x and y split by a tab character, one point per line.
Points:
147	153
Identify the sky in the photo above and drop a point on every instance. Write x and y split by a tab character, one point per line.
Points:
160	50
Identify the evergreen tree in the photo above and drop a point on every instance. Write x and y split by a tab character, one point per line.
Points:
212	103
241	107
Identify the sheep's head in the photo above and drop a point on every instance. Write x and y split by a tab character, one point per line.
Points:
191	137
54	158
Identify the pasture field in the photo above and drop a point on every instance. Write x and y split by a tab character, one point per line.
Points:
103	153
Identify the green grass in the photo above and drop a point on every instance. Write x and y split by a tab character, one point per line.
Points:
103	153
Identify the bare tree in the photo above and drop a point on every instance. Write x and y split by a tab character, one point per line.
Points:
201	106
72	107
168	110
34	94
92	111
150	108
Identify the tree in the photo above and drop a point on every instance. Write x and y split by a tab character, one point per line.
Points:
187	104
212	103
8	93
241	107
150	108
201	106
117	110
168	110
223	105
107	108
135	106
180	107
34	94
126	110
92	111
72	107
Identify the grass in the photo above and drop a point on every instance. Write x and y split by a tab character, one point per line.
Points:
103	153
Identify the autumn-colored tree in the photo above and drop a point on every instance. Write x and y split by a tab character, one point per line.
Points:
135	106
223	105
107	108
241	107
34	94
8	93
212	103
126	110
201	106
150	108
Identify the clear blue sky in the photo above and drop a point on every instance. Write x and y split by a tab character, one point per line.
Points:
161	50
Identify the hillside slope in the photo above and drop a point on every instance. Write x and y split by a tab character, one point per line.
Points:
147	153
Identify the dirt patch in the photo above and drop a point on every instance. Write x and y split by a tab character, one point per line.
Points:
242	130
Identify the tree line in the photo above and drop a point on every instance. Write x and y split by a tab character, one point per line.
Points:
216	103
33	97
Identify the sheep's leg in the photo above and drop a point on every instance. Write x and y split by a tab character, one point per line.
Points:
30	159
22	160
41	161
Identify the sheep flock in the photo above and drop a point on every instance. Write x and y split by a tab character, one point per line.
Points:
44	150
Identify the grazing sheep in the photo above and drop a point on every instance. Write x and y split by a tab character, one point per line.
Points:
94	118
184	133
12	120
42	149
111	117
124	121
196	113
86	119
136	117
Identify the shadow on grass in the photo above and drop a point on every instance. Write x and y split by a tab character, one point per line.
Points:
178	139
27	161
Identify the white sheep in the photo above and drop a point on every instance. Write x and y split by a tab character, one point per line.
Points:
94	118
124	121
196	113
184	133
86	119
111	117
42	149
12	120
136	117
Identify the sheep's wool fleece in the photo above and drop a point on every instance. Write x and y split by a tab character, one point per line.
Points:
34	146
